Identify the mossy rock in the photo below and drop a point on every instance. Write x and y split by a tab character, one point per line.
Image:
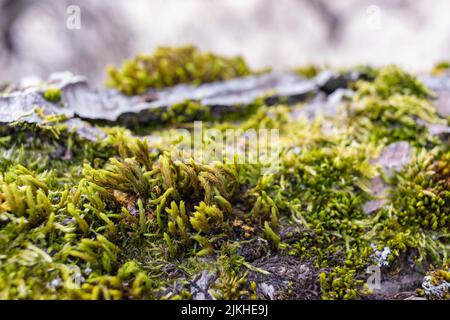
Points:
92	210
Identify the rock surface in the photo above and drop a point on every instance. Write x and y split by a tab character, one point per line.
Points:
79	100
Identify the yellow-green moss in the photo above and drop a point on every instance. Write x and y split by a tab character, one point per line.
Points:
170	66
124	218
52	94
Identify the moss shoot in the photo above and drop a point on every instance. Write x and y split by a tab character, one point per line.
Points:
52	94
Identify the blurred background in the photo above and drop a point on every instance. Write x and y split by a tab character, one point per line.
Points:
38	37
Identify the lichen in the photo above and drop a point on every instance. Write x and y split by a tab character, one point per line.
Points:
436	284
441	67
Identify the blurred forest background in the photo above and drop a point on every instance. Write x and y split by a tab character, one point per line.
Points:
35	39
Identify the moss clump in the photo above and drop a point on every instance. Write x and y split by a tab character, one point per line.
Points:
52	94
392	119
339	284
185	111
140	218
308	71
393	80
170	66
441	67
436	284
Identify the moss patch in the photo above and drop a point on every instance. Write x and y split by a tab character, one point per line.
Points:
125	218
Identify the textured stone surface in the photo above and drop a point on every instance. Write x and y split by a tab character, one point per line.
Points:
441	86
400	281
78	99
323	104
380	193
392	158
20	106
440	130
329	81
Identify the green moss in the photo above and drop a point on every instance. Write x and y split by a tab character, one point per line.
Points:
52	94
393	80
339	283
308	71
170	66
232	281
126	218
